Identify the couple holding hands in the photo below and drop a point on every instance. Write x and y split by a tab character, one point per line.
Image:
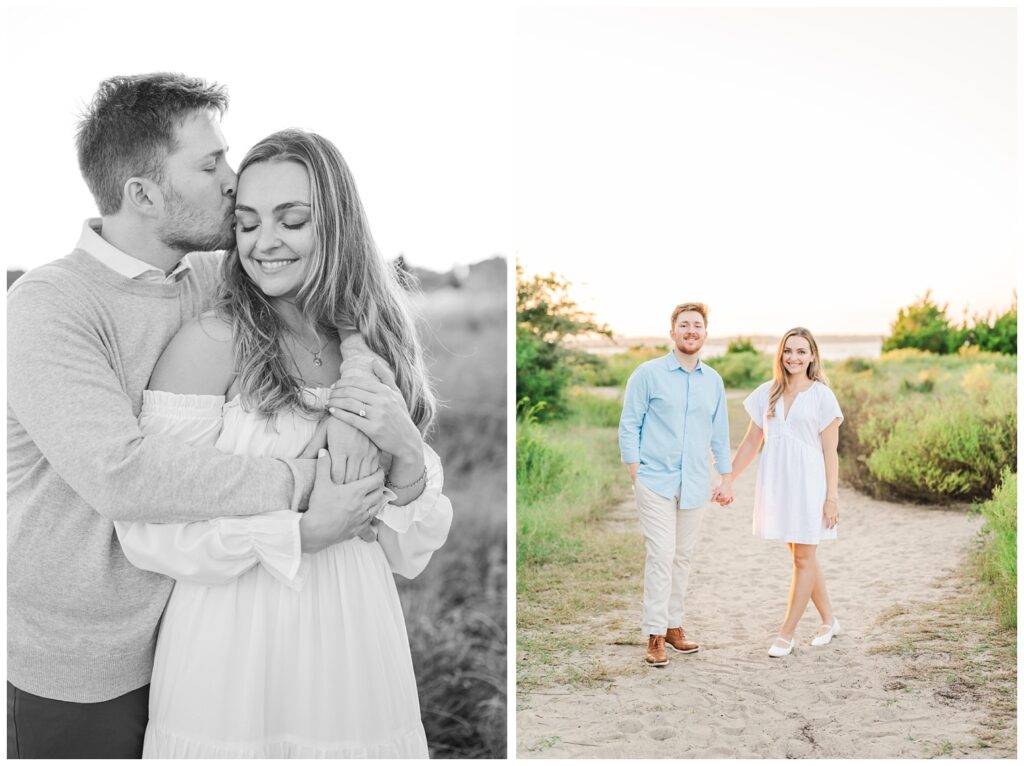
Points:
674	411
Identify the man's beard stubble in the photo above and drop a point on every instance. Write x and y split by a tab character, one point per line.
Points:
681	350
188	230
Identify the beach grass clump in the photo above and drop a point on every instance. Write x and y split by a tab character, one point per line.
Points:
997	560
743	369
936	449
927	428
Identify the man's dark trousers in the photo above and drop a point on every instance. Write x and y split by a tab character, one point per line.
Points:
38	727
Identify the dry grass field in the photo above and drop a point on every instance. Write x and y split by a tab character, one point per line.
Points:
455	611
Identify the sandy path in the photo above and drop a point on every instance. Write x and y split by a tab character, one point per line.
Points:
730	699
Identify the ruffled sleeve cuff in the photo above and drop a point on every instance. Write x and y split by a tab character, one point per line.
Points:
410	534
218	551
273	539
401	517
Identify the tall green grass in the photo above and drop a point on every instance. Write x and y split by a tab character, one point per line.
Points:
998	558
567	565
566	474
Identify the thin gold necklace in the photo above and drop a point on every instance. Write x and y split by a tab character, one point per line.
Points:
316	354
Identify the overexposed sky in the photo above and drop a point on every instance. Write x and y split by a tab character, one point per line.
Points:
790	166
416	97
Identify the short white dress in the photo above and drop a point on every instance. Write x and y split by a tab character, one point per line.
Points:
267	652
790	495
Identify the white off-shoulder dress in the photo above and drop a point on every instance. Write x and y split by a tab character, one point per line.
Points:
268	652
790	495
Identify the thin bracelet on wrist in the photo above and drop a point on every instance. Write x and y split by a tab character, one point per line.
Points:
421	477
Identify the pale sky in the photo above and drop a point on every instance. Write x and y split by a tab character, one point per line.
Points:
797	166
416	96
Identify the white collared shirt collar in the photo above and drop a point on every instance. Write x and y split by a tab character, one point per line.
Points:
119	261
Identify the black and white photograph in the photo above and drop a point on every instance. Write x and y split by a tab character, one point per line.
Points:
256	380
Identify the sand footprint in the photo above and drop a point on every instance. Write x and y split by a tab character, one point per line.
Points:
661	734
630	725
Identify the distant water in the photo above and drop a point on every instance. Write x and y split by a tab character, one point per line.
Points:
832	349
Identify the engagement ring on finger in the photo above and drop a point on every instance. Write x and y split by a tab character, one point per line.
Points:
362	413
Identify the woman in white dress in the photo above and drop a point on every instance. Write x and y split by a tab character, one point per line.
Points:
266	650
797	417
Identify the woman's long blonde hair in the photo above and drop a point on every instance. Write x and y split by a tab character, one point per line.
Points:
347	284
780	378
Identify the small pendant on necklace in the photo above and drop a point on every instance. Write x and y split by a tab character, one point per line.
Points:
317	360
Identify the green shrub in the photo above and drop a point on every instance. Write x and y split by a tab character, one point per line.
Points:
999	336
740	345
615	369
888	409
855	364
546	315
922	383
942	448
924	325
542	374
743	369
998	558
586	369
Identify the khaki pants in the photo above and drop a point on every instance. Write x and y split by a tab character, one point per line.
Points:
670	534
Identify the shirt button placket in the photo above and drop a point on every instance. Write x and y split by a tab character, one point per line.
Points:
682	460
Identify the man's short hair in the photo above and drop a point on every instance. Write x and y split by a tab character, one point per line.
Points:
700	308
128	129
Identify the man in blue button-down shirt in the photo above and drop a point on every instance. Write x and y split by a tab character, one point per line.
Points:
674	412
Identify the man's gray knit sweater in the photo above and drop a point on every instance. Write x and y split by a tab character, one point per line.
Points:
82	342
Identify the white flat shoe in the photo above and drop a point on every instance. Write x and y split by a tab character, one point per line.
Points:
781	647
833	631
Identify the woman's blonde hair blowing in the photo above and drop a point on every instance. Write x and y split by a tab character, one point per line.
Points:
347	284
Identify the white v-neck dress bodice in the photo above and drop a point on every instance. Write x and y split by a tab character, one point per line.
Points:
790	494
267	652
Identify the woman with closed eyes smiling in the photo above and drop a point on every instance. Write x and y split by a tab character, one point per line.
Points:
269	647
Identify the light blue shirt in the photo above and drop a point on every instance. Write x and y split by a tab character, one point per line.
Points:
670	419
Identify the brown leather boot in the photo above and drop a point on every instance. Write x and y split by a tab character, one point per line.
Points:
656	655
676	638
